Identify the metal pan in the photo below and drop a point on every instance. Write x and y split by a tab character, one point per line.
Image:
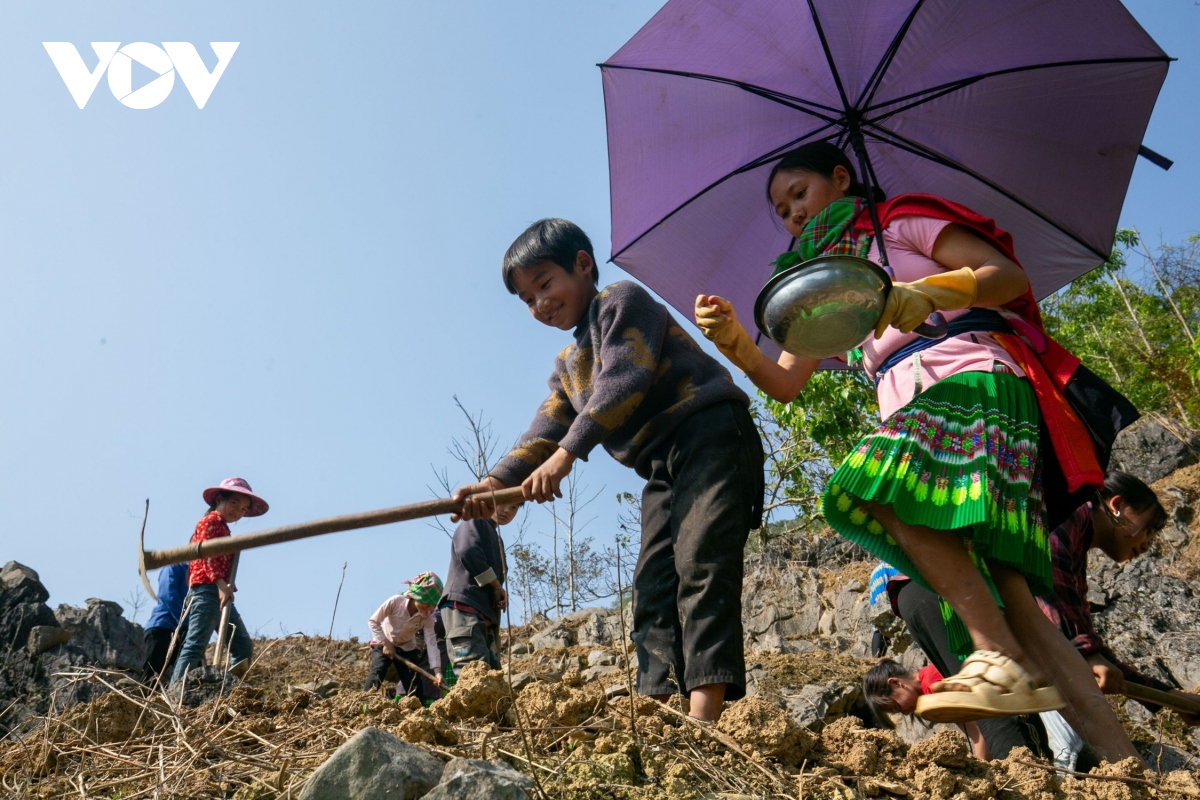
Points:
828	305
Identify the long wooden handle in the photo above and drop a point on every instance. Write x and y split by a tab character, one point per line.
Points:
223	625
290	533
1161	698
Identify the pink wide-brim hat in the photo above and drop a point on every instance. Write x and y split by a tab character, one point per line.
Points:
258	506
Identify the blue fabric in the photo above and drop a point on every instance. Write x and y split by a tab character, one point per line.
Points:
172	587
203	619
879	580
982	320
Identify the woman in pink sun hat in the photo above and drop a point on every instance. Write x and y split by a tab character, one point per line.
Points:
209	585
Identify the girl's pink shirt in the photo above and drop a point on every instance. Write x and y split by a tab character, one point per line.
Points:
910	243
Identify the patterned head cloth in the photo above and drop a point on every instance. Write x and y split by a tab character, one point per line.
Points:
879	580
425	588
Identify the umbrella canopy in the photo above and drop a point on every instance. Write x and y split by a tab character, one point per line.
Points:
1028	111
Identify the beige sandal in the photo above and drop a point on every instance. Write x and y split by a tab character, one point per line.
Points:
996	685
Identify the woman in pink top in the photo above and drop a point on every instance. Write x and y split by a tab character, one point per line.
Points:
403	629
948	488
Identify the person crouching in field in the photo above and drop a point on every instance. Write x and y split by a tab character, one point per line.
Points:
891	689
404	629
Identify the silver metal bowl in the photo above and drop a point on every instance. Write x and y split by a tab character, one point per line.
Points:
822	307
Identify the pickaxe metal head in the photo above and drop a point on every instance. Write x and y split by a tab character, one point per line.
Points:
142	554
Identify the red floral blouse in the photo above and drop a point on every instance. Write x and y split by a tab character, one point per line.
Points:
208	570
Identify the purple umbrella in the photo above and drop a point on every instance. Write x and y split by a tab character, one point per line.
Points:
1028	111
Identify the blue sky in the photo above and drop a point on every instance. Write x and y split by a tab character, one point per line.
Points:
293	283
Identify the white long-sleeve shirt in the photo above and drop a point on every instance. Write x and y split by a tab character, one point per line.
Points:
394	622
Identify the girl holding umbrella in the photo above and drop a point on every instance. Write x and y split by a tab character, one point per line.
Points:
948	487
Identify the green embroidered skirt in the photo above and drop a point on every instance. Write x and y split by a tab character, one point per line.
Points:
961	456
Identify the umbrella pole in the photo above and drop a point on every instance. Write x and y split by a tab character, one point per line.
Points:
864	169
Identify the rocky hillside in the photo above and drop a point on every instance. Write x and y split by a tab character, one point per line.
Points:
558	721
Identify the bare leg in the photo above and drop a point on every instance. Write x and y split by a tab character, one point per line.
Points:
944	562
1087	710
706	701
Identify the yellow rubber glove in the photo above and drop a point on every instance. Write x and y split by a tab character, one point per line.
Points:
909	304
719	324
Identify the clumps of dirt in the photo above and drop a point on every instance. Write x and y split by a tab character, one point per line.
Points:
1182	782
423	726
937	783
946	748
107	718
248	700
479	692
858	750
1021	773
556	704
370	707
761	726
1112	790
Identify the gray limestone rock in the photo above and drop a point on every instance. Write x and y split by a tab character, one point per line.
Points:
471	779
373	765
104	636
44	637
594	631
1150	451
815	704
601	658
557	635
602	671
22	584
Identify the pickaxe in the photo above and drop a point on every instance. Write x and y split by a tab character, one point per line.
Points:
290	533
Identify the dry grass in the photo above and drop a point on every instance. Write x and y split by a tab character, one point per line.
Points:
262	741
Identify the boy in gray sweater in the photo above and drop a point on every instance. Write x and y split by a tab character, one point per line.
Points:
636	383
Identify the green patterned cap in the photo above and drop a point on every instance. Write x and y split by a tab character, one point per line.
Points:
425	588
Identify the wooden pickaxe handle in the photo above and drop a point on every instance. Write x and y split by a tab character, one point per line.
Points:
153	559
1161	698
223	625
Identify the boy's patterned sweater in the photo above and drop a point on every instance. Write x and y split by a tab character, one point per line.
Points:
627	382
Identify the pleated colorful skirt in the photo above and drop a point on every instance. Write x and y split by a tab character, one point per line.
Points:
961	456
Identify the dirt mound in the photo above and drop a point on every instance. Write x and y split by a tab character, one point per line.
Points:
760	726
858	750
480	692
423	726
107	718
555	704
946	748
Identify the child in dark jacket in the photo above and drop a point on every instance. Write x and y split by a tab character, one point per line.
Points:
635	382
475	597
164	622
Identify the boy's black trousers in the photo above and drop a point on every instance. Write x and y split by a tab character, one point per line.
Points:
703	496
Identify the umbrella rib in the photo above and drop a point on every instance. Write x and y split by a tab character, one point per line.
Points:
797	103
837	79
934	92
876	79
755	164
896	140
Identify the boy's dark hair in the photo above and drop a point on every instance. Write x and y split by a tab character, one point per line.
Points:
877	691
822	157
553	239
1137	494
